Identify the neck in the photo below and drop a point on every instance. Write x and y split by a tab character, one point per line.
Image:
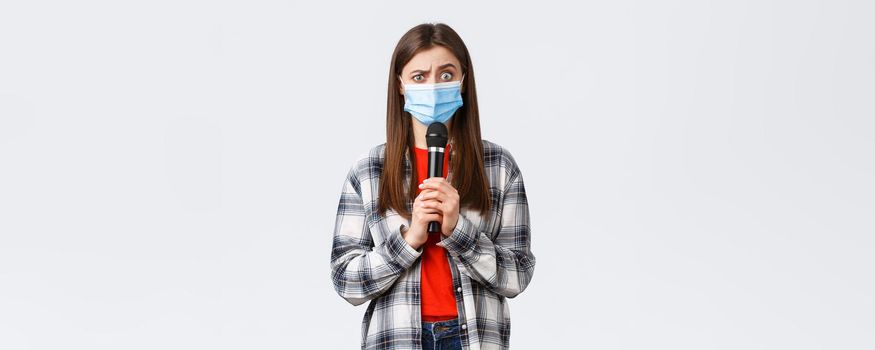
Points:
419	131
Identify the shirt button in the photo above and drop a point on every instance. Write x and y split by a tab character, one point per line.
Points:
464	326
459	289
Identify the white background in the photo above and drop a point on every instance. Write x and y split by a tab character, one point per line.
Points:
699	173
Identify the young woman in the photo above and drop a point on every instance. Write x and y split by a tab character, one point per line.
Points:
432	290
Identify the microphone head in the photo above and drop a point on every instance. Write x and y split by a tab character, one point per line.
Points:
436	135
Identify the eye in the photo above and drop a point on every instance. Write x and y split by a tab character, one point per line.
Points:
446	75
418	77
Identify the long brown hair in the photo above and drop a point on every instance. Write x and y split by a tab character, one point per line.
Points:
467	171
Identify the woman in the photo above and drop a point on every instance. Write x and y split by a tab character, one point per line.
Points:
432	290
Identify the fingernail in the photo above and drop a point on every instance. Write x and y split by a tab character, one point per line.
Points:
421	185
424	181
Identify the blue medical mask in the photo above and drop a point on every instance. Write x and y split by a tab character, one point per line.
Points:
431	103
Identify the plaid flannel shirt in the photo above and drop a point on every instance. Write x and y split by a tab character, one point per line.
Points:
490	260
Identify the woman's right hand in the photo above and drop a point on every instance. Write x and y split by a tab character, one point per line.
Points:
417	233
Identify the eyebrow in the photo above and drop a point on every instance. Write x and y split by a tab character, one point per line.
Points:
439	68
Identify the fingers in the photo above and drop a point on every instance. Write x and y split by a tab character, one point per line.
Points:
429	205
426	206
436	197
426	197
438	184
432	194
428	209
446	201
432	217
426	215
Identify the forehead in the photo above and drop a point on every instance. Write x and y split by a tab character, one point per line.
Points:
431	57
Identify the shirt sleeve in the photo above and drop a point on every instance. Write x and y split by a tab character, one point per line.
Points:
360	271
504	264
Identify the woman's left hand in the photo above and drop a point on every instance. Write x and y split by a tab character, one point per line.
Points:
438	193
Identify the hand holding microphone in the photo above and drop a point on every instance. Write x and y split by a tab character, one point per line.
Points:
417	234
436	209
436	139
437	192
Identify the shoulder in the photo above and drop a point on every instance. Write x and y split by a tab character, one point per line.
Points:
498	156
367	163
374	152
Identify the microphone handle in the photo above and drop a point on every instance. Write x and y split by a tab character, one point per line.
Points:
435	168
434	226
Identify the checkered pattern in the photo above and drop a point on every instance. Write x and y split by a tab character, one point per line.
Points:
490	260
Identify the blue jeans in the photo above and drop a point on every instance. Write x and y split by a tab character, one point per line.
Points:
442	335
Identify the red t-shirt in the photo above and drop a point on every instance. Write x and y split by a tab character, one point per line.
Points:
437	294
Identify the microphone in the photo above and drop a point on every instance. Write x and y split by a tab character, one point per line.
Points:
436	139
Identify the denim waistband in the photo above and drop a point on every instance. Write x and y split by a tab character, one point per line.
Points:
447	323
440	329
